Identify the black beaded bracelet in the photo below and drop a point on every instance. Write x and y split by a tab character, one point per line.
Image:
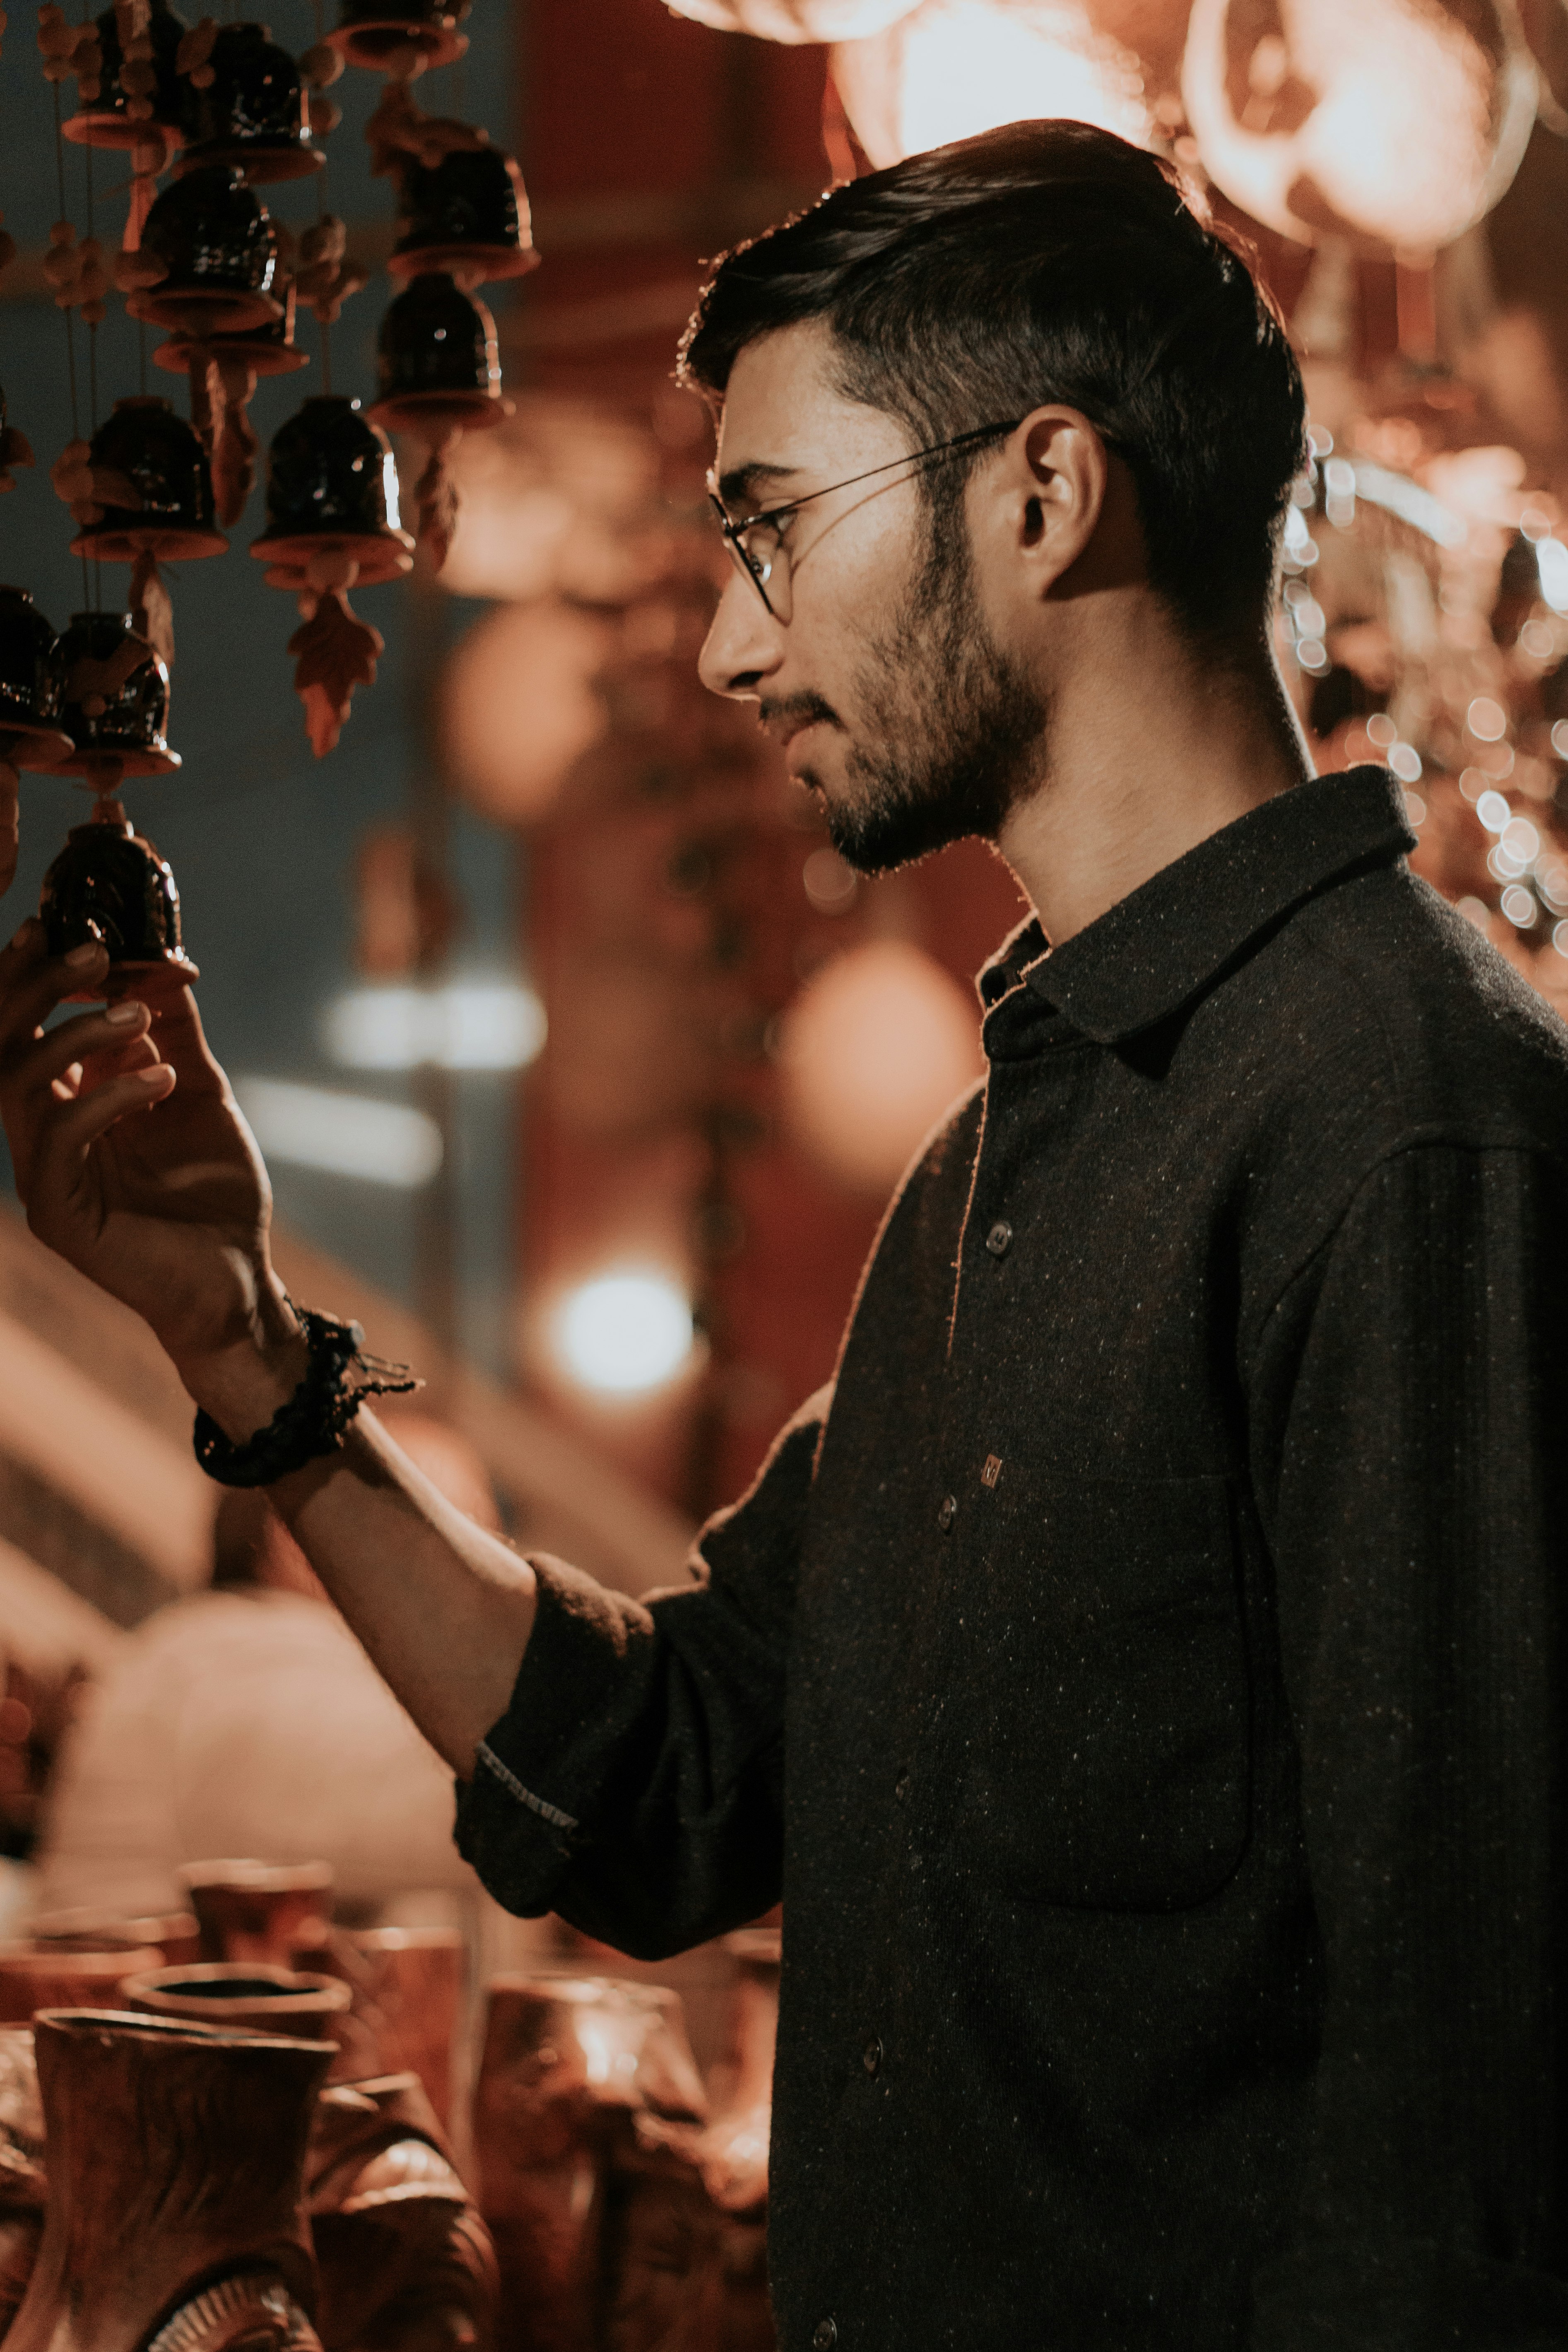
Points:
339	1376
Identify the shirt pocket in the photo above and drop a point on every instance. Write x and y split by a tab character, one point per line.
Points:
1108	1713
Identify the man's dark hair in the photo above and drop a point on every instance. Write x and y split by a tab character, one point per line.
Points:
1047	261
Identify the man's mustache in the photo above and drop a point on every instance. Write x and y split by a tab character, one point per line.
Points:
782	715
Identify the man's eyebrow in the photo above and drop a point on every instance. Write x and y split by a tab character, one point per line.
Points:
740	482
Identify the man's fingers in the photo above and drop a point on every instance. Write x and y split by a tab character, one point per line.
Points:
87	1039
32	985
68	1134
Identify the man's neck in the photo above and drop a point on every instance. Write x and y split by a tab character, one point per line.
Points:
1162	747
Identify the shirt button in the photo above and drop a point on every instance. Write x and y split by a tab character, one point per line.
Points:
948	1513
999	1240
871	2056
824	2336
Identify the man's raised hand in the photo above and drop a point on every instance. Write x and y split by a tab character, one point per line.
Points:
130	1156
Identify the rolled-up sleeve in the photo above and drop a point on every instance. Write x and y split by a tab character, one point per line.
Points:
635	1782
1411	1452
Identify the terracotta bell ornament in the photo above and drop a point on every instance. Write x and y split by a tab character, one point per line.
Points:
213	236
253	112
174	2220
467	214
135	94
110	884
440	377
32	685
152	488
331	495
406	2263
400	40
116	703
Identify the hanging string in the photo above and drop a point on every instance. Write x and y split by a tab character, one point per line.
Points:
141	356
326	332
70	334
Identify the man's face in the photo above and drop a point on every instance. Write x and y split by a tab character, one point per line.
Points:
892	702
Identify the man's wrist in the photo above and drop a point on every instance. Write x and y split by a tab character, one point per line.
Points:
243	1384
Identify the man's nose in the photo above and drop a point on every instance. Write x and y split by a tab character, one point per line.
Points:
744	645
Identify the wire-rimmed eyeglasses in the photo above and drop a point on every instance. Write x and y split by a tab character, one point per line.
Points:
756	541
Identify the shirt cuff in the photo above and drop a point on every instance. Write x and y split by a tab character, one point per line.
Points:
539	1769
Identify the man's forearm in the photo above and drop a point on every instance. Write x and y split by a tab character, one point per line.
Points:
443	1607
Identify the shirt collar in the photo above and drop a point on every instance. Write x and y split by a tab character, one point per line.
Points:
1169	939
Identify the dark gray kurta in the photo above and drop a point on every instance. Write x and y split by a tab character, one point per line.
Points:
1144	1681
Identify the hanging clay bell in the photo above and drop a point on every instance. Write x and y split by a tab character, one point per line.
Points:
387	37
160	485
116	701
331	491
270	349
253	115
467	216
437	361
110	884
214	237
106	120
32	683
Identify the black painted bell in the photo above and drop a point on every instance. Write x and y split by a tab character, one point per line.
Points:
106	120
213	235
115	704
437	361
332	490
32	676
467	216
253	112
270	349
110	884
156	462
375	32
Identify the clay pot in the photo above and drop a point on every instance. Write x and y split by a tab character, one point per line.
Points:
253	115
406	2263
110	884
569	2064
332	490
377	33
116	701
270	349
406	1988
264	1911
436	360
107	121
174	1933
32	677
243	1995
22	2186
167	486
38	1976
176	2162
214	237
467	216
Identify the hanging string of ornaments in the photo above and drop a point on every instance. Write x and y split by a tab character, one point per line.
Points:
217	113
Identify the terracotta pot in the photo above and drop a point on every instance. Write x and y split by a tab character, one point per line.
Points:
176	2160
406	2263
245	1996
437	361
406	1989
332	490
37	1976
569	2064
373	32
116	702
110	884
252	114
214	237
169	513
106	120
32	682
259	1910
174	1933
468	214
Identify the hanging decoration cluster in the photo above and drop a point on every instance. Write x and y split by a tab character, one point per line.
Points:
208	117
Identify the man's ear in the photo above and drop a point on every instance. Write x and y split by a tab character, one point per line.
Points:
1064	508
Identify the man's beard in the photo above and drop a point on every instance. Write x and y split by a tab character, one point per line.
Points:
947	728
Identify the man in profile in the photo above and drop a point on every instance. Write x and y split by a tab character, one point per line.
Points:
1143	1674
